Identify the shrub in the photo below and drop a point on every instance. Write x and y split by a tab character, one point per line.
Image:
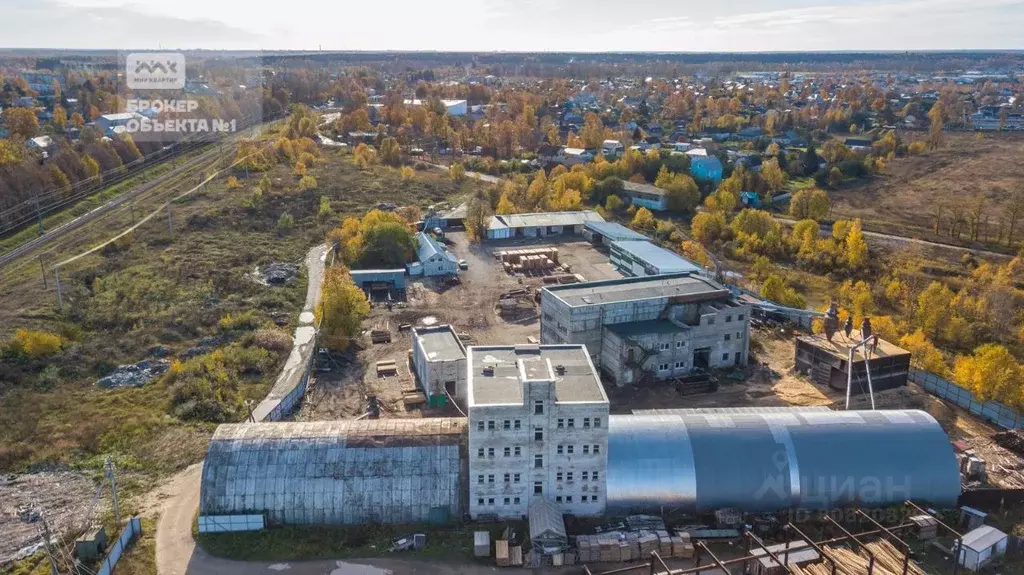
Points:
307	183
457	172
36	344
285	223
407	173
209	387
232	183
249	319
272	339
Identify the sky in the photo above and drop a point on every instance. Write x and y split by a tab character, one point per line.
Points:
516	25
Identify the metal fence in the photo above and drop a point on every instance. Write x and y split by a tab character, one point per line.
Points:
230	523
124	541
991	411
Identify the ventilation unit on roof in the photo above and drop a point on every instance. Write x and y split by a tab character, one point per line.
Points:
560	369
488	370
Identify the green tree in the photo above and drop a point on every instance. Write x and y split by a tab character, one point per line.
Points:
505	205
773	176
390	152
325	210
683	195
613	203
21	121
934	309
285	223
775	289
856	247
307	183
457	172
924	353
708	227
342	310
478	215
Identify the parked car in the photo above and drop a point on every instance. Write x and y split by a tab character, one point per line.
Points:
463	265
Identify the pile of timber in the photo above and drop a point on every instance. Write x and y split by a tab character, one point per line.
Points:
386	368
516	256
888	561
618	546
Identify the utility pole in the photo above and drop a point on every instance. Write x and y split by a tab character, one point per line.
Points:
56	279
42	267
46	543
113	490
39	215
170	225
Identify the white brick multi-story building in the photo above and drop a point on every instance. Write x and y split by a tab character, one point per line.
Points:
538	425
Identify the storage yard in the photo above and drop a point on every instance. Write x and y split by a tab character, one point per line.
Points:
628	420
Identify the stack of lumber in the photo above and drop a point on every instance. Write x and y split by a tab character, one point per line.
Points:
927	526
615	546
515	556
888	561
387	367
501	554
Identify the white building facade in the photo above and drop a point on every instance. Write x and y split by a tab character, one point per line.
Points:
538	421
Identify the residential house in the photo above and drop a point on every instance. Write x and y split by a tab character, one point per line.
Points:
108	122
612	149
858	144
572	156
645	195
433	259
704	167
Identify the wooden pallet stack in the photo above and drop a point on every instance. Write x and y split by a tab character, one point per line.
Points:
888	561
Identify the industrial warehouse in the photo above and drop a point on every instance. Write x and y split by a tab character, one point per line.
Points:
538	434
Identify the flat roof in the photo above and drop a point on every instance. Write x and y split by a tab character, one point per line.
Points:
350	432
544	219
840	345
503	385
645	327
440	343
644	188
982	538
666	261
614	231
680	287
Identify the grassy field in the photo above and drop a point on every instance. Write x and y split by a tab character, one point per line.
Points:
965	170
284	543
170	290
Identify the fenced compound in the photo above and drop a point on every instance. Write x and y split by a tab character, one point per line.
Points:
131	532
991	411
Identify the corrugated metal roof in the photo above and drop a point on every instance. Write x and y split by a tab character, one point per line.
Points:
664	260
730	410
982	538
763	462
428	248
643	188
614	231
543	219
546	521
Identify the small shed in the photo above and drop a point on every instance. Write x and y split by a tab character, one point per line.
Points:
547	526
482	543
980	546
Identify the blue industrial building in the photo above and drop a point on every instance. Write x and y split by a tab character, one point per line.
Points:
373	280
642	258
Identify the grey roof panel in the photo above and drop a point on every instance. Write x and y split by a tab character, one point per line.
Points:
657	256
983	537
502	384
677	286
614	231
773	460
440	343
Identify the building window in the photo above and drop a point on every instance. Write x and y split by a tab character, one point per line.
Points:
662	367
515	425
490	478
594	476
507	477
490	501
538	407
585	474
739	335
538	488
558	499
518	451
571	423
728	318
490	452
538	461
516	500
568	449
597	422
680	364
728	336
507	501
508	452
664	346
490	426
725	357
506	424
586	450
559	450
480	426
515	478
680	344
568	498
568	475
480	502
558	476
480	453
597	449
479	478
740	317
561	423
586	423
538	435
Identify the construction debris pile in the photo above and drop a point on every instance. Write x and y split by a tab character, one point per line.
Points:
642	535
517	304
1012	439
888	561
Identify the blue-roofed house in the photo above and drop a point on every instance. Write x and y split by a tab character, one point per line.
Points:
705	168
432	259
